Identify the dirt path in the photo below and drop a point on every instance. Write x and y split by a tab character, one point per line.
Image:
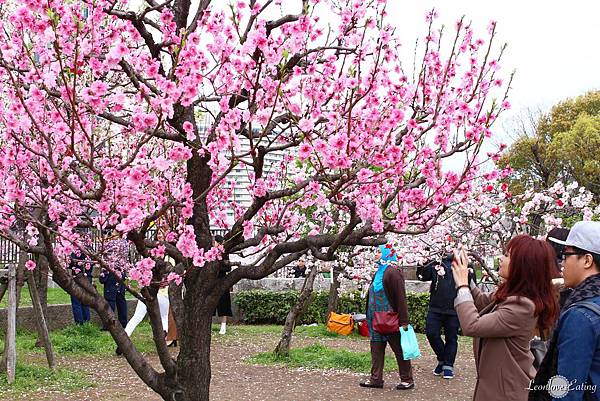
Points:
233	379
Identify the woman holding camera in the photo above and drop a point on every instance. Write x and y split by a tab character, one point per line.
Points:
501	323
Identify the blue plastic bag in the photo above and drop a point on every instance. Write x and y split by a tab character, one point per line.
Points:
408	341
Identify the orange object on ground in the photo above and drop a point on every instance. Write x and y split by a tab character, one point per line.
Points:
340	323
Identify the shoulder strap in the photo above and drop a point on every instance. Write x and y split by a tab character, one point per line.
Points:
589	305
542	334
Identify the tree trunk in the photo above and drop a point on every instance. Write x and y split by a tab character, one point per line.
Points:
40	276
19	273
41	281
193	362
283	348
9	360
23	257
535	226
334	296
42	327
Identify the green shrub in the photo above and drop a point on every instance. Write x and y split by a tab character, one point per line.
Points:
418	304
271	307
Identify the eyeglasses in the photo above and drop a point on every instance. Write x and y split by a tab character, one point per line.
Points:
564	255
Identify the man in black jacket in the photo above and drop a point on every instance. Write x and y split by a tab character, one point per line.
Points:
441	314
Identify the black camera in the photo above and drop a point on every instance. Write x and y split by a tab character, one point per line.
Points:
448	257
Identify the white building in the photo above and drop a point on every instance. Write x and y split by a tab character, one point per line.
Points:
239	174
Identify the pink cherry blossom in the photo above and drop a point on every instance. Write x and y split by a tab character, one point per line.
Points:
30	265
174	277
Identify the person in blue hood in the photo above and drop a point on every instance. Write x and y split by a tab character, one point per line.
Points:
387	293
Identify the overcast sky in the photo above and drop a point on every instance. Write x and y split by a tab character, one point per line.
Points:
553	45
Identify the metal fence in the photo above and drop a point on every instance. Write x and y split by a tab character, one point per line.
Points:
9	252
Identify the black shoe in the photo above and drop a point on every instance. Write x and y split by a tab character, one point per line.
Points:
172	343
405	386
370	384
118	351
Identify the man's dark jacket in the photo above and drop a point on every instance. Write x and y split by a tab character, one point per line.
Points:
443	289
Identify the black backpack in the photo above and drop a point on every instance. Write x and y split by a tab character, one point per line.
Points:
549	366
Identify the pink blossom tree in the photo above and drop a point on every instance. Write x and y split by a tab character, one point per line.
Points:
491	216
101	110
494	215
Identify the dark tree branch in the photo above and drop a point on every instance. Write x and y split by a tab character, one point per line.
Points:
199	14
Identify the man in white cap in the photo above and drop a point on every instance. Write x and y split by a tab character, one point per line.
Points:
578	331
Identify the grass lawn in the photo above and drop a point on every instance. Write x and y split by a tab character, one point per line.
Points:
89	341
41	378
250	331
317	331
55	296
84	340
76	341
318	356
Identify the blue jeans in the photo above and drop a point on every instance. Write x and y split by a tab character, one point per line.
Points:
120	304
444	351
81	312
